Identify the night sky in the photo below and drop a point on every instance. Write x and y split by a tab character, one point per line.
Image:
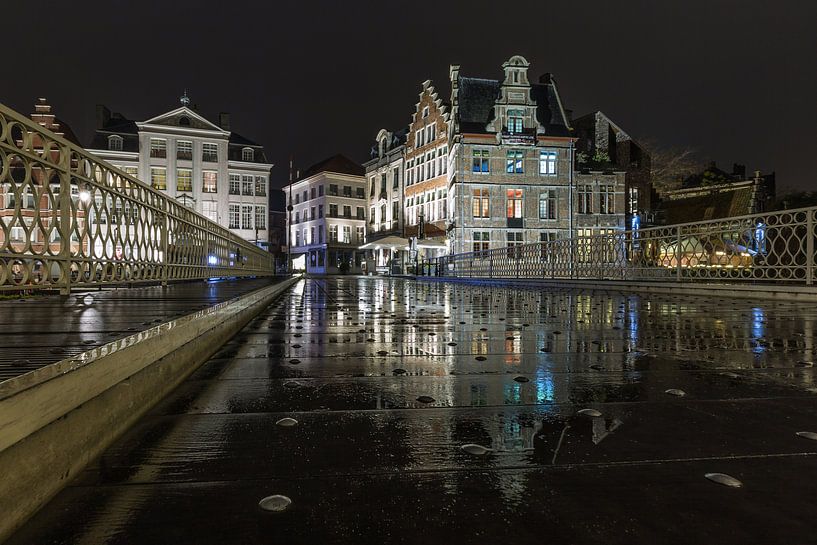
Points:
735	79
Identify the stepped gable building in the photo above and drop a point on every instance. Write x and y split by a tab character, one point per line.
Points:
205	165
326	222
26	210
602	144
426	201
511	171
385	176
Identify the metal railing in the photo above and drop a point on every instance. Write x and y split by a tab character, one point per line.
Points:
70	220
775	247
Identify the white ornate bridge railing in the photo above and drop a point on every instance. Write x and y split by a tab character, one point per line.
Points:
769	248
71	220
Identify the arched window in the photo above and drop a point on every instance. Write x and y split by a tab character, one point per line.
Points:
115	143
247	154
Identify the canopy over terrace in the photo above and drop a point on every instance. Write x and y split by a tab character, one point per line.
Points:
387	243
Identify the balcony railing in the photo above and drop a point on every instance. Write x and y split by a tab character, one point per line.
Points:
105	226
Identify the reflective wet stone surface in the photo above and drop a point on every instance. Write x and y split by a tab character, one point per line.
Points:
394	411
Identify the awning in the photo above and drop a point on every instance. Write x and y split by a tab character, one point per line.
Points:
391	243
431	244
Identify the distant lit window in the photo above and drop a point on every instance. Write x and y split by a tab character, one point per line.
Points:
184	150
260	217
481	161
209	181
158	177
515	124
246	217
515	162
479	203
235	184
247	154
247	185
158	147
184	179
547	163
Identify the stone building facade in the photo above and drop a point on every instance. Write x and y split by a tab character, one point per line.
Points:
426	200
206	166
327	220
511	176
385	179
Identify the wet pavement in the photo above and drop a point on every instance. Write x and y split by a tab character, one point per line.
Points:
39	330
394	411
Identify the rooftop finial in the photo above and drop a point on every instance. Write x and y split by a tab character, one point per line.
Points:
185	100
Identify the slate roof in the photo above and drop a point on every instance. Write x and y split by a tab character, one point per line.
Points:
337	163
718	204
122	126
477	96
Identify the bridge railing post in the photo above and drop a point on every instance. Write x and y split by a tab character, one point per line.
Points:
64	226
678	254
810	234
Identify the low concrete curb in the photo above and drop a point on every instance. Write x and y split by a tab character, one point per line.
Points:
55	420
745	291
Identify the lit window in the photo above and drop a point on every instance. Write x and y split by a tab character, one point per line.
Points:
515	162
480	203
247	154
184	179
515	121
333	233
515	203
158	177
115	143
481	162
347	234
209	181
547	163
606	199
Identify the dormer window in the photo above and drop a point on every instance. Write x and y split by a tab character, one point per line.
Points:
115	143
515	124
247	154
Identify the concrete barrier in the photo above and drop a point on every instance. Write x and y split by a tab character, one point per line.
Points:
55	420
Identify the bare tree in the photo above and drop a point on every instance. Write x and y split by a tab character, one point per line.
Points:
669	165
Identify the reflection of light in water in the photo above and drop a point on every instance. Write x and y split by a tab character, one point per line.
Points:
544	386
513	394
758	328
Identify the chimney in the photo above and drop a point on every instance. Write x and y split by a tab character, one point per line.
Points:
224	120
103	116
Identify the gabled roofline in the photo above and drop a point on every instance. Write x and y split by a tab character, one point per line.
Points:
149	123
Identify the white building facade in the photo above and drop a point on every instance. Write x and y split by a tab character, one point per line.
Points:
206	166
326	219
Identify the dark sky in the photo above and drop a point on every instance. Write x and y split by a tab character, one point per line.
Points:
735	79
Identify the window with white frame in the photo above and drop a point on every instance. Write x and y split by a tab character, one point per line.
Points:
515	162
158	147
515	203
209	181
234	216
260	217
547	163
184	179
260	186
235	184
246	217
479	203
347	234
210	210
360	231
209	152
515	124
247	185
333	233
115	142
247	154
184	150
